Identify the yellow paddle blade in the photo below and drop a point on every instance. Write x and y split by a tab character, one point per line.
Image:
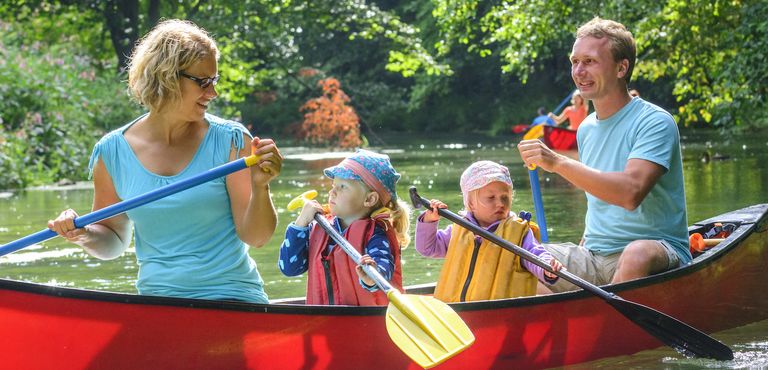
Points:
534	133
426	329
301	199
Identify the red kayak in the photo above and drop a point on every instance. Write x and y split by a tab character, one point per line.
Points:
46	327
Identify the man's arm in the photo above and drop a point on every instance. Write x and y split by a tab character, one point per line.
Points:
625	189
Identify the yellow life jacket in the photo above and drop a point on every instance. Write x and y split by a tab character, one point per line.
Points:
488	271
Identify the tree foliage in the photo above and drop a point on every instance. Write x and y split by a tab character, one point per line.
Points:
715	52
448	65
54	104
711	50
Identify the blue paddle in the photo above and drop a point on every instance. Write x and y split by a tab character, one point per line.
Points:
538	205
134	202
533	175
562	103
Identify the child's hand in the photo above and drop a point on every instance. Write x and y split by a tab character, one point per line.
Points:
365	260
308	213
556	265
431	215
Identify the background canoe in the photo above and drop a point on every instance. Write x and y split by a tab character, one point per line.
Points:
559	138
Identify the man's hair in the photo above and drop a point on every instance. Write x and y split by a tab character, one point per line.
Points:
621	40
172	46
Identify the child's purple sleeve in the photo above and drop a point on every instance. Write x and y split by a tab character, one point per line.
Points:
532	245
431	242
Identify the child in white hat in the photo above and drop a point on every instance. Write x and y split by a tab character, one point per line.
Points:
476	269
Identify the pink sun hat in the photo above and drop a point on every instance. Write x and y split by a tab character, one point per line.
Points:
482	173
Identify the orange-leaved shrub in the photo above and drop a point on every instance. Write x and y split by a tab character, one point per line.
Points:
328	119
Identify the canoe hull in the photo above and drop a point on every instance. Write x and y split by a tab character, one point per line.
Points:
559	138
46	327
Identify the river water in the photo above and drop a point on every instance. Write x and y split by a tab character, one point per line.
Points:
721	174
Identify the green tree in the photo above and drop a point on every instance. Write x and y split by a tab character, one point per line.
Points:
712	51
715	52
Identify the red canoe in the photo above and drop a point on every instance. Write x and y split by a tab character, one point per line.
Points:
47	327
559	138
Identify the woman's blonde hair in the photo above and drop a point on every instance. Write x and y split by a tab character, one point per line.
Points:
171	47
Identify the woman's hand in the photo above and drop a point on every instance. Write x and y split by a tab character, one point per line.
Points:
308	213
431	215
64	225
365	260
270	162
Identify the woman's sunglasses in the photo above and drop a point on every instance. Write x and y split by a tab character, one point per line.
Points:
202	82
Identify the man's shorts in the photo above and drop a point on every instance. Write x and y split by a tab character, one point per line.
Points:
595	268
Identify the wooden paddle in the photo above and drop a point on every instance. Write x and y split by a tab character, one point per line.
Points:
136	201
672	332
426	329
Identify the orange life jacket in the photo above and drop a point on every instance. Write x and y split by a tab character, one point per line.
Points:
332	278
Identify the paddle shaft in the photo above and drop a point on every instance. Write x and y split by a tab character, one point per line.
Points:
538	204
372	272
134	202
562	103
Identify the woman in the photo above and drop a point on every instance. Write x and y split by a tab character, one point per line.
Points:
575	113
191	244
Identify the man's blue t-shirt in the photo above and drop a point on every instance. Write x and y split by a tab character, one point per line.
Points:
644	131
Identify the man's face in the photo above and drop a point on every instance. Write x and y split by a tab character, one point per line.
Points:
593	69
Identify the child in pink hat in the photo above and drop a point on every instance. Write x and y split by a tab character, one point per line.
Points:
476	269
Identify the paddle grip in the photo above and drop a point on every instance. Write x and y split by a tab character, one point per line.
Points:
132	203
372	272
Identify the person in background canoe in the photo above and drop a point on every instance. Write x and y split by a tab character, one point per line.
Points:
476	269
633	93
542	119
629	165
364	208
574	113
191	244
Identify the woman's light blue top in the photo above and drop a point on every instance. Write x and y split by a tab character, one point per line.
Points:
186	243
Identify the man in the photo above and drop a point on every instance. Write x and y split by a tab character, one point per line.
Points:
630	168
